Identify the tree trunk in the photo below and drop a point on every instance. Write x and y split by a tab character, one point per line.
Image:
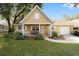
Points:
14	23
9	25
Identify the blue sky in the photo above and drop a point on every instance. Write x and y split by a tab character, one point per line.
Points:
57	10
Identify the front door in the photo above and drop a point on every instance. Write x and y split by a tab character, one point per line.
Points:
35	29
42	30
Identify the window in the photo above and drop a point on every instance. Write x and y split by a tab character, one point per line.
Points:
19	27
75	28
2	27
37	16
35	29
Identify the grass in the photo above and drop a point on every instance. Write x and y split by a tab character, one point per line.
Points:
36	48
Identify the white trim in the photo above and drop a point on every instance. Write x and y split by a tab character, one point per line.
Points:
32	11
31	28
37	23
22	29
39	28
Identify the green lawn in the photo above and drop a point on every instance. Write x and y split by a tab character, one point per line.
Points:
36	48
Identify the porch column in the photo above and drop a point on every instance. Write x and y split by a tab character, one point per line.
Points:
22	29
39	29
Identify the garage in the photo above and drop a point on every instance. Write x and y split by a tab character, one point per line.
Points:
64	30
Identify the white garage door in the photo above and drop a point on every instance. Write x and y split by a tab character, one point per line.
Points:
64	30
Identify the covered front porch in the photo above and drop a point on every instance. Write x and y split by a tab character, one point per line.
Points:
39	28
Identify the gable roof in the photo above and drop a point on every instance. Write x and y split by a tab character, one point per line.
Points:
32	11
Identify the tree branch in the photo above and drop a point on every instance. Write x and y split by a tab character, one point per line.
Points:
17	14
15	17
23	9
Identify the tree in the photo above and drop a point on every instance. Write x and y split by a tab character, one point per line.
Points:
72	5
5	11
75	4
15	12
66	17
76	16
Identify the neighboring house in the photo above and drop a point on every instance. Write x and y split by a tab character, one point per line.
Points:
36	20
3	28
64	27
3	25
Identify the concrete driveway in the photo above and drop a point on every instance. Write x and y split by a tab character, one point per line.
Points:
68	39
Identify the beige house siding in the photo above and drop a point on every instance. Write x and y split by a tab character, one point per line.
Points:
57	28
31	18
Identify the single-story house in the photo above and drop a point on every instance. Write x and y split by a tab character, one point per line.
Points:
36	20
64	27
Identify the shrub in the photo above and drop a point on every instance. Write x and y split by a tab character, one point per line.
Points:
8	35
54	35
61	37
20	37
16	36
18	33
39	37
